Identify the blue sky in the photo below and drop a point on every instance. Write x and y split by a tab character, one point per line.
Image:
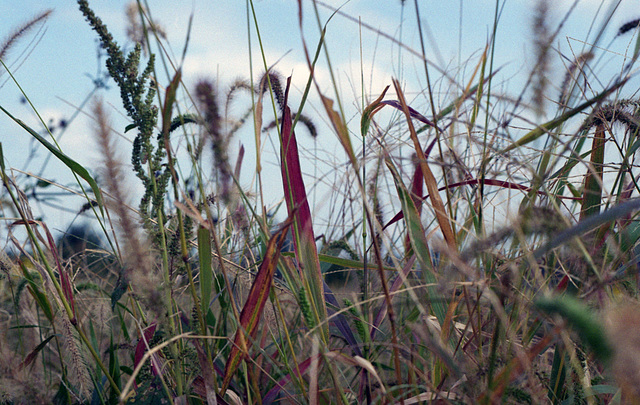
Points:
54	65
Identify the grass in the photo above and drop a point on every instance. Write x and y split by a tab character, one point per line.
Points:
413	290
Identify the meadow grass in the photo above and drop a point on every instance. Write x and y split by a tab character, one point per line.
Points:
413	289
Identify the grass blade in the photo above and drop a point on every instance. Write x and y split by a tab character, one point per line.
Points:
206	272
556	122
582	319
418	240
298	208
256	300
588	224
429	179
70	163
370	111
592	193
34	353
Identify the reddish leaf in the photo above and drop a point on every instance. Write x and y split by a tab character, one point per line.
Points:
562	285
65	282
416	195
273	392
236	172
294	189
486	182
412	112
416	187
298	207
141	347
253	308
34	353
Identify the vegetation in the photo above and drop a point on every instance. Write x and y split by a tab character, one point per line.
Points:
194	294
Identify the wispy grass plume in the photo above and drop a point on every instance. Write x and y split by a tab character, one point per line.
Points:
12	39
542	43
206	96
136	257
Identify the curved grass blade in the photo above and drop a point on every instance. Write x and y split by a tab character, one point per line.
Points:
413	113
34	353
370	111
588	224
418	241
340	127
70	163
556	122
581	318
429	178
486	182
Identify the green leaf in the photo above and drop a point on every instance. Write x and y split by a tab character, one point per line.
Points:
130	127
370	111
582	319
39	296
339	261
169	102
206	272
592	192
556	122
418	241
70	163
43	183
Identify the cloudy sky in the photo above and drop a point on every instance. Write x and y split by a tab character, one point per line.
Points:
56	64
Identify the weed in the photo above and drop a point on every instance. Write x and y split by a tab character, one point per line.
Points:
394	295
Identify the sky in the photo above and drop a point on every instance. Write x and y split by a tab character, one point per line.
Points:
56	66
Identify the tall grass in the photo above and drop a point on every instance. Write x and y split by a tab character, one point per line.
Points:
413	290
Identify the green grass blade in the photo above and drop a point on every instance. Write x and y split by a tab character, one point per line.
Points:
418	241
70	163
556	122
592	193
582	319
587	225
206	271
